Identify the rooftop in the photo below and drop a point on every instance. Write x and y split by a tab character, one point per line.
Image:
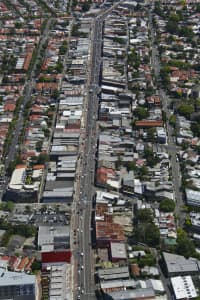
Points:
13	278
118	250
179	264
183	287
47	234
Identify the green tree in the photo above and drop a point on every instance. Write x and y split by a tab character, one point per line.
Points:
174	17
7	206
55	94
172	27
186	110
185	246
195	127
167	205
164	73
28	209
157	8
134	59
75	31
172	120
145	215
131	166
141	113
18	25
150	157
11	167
43	158
148	233
186	31
147	260
36	266
85	6
63	48
142	172
198	8
39	145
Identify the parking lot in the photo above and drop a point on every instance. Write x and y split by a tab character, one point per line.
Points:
45	215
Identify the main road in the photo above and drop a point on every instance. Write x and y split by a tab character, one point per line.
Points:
83	256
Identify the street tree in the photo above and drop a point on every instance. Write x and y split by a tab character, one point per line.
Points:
185	245
167	205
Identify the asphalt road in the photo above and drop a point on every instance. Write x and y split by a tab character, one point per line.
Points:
172	147
86	276
83	256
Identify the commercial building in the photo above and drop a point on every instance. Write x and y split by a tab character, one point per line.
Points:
53	238
179	265
117	285
113	273
17	286
138	294
107	232
56	281
55	257
118	252
183	287
192	197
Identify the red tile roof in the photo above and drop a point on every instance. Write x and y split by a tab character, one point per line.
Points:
149	123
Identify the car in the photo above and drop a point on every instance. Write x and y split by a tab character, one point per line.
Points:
82	267
82	254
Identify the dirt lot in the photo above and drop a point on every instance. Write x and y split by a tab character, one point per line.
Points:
125	221
15	243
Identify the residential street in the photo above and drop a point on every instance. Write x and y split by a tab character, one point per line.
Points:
171	144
